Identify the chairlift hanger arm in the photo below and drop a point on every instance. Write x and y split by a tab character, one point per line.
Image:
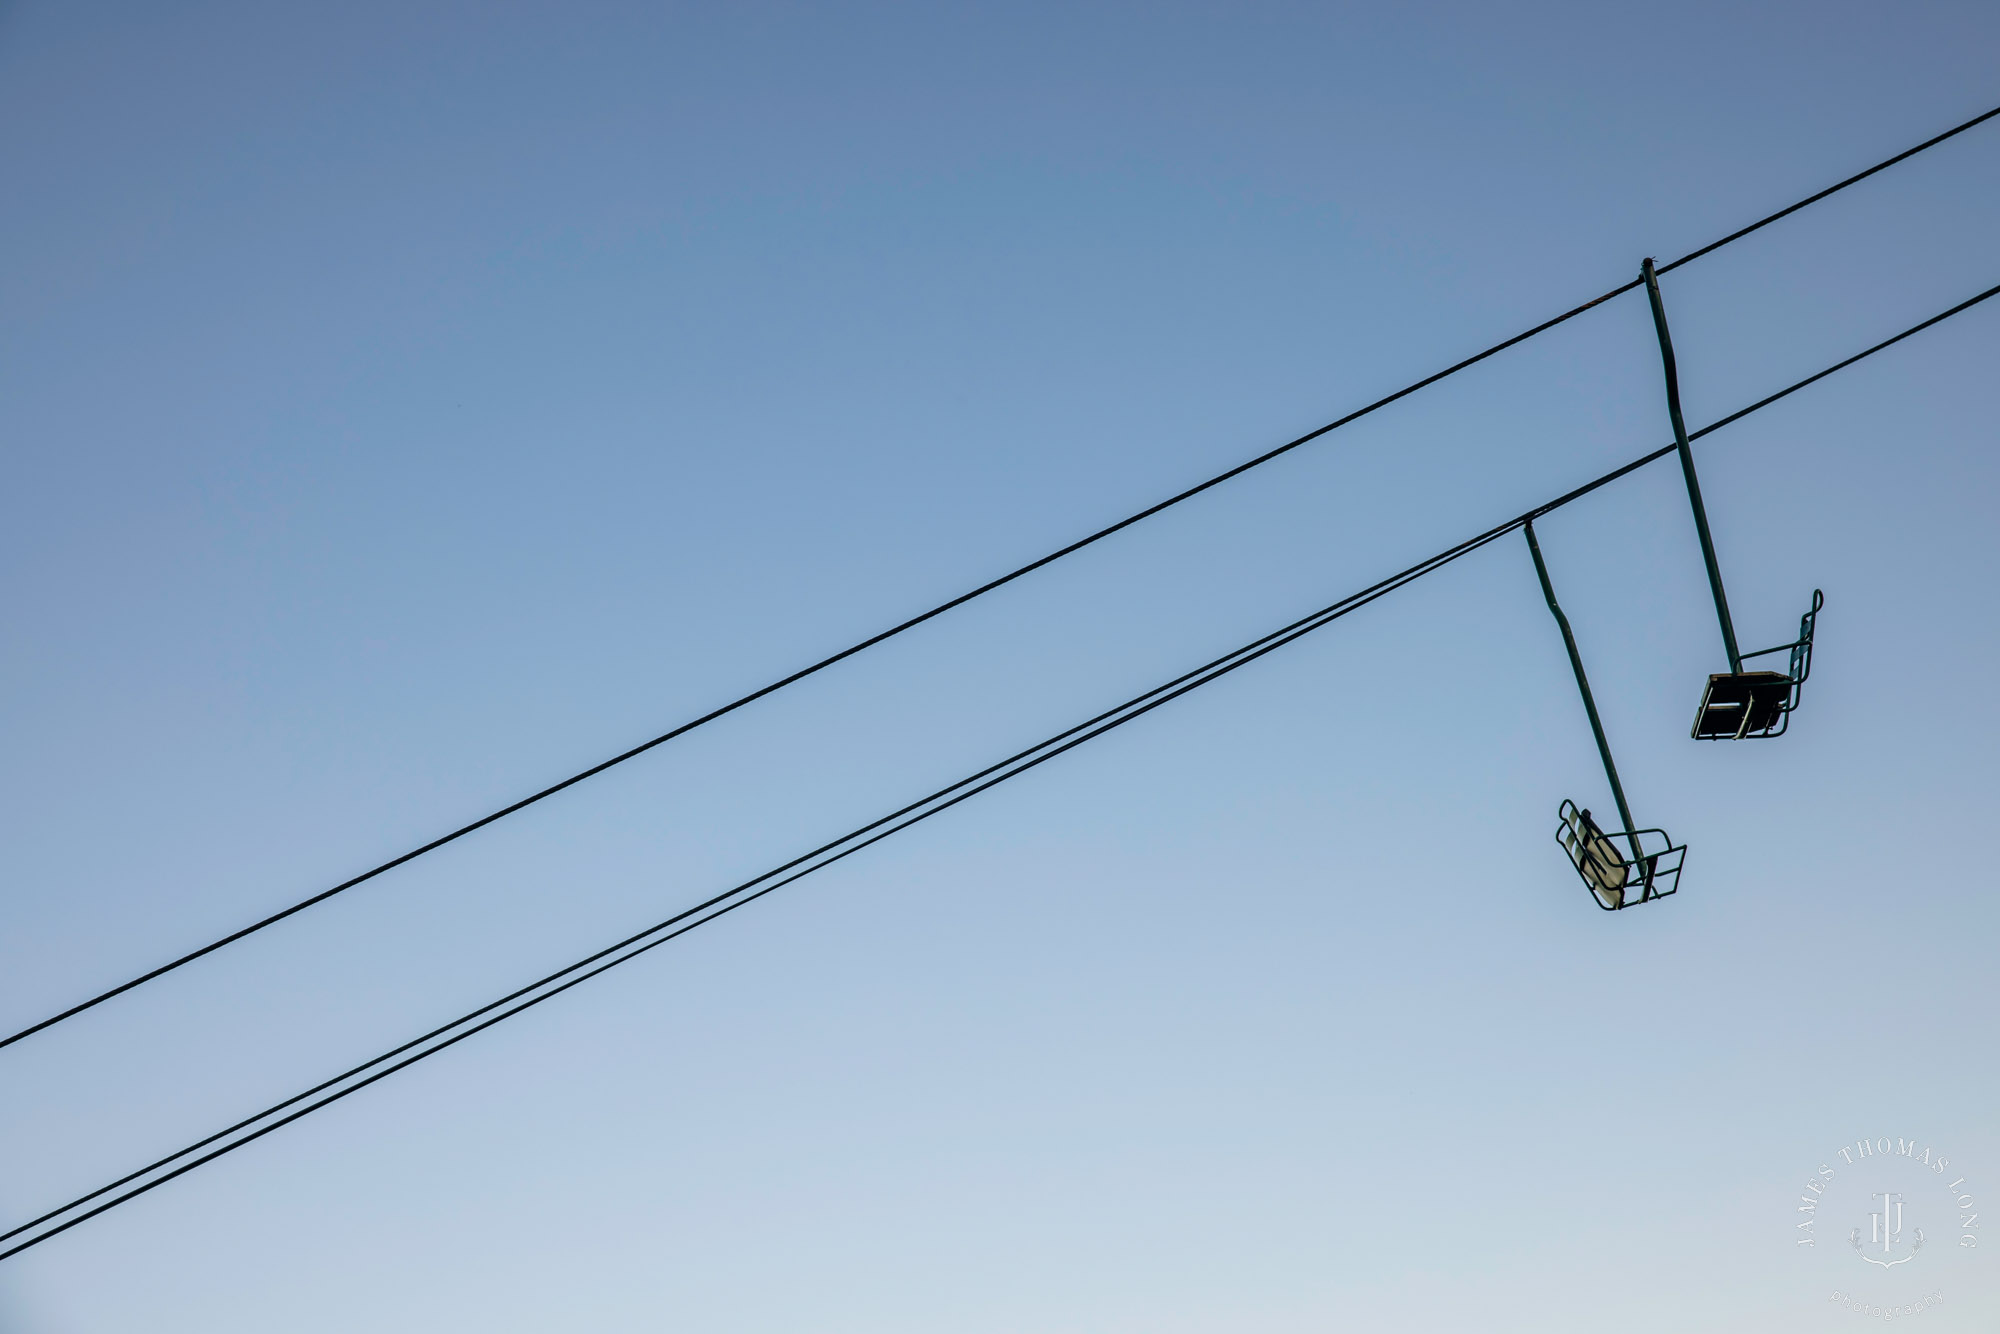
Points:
1651	278
1582	685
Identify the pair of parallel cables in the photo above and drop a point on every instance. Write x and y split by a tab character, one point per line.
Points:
85	1207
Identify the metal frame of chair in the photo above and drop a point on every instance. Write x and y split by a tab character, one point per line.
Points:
1606	872
1736	705
1765	699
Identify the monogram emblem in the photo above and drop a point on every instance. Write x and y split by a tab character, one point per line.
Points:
1885	1233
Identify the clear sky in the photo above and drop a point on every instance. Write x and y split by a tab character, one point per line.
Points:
405	405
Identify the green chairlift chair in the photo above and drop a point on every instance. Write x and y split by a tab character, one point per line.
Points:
1615	880
1736	705
1741	705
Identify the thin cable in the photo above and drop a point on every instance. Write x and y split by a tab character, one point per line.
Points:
958	601
800	675
936	803
1256	646
1843	365
828	853
1758	406
1810	200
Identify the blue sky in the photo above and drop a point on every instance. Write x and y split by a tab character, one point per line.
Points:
408	405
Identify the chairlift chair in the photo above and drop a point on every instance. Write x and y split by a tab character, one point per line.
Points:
1741	705
1614	880
1608	873
1736	705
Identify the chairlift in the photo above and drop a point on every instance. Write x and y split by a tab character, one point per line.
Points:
1735	705
1615	881
1606	871
1758	704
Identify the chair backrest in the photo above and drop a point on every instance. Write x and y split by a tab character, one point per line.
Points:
1598	860
1801	663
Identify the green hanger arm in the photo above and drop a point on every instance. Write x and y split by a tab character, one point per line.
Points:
1583	687
1687	467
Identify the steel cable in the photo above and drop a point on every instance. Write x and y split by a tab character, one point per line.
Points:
274	918
158	1173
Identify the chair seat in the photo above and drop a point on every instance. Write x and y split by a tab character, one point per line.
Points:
1596	858
1741	704
1614	880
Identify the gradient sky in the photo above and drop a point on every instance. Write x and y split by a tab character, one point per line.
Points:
405	405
